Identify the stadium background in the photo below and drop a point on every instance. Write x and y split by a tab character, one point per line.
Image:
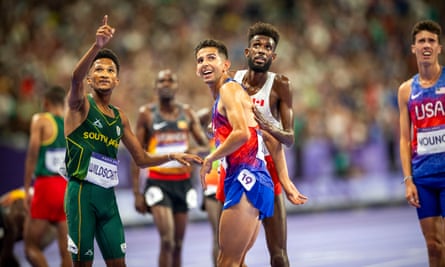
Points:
345	60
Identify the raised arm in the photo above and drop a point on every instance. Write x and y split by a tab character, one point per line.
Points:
76	101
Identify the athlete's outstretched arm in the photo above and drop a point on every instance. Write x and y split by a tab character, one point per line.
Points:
142	158
275	149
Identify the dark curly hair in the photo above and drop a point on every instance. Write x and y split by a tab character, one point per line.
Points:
262	28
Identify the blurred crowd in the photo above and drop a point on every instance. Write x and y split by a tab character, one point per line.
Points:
345	60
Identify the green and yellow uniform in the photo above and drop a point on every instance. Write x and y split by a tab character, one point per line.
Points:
90	202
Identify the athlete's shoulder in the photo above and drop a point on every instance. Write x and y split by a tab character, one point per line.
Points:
406	85
40	117
281	79
147	108
404	91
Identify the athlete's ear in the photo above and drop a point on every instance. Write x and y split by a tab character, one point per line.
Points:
227	64
274	56
246	52
413	49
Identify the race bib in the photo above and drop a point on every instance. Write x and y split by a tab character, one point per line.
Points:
247	179
102	171
430	141
191	198
153	195
54	158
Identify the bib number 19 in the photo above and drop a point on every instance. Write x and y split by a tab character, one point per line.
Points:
247	179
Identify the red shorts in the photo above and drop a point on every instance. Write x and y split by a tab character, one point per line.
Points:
272	171
274	174
48	200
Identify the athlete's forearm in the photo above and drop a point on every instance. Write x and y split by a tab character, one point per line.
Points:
82	67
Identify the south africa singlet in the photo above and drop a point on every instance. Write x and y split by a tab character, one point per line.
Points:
96	140
52	151
427	113
90	200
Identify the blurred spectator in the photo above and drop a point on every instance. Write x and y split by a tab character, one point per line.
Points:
344	59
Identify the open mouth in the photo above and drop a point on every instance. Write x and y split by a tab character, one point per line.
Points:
206	73
427	53
259	60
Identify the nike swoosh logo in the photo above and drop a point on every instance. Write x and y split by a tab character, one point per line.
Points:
227	202
415	96
158	126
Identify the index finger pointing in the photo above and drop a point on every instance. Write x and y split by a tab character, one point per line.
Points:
105	20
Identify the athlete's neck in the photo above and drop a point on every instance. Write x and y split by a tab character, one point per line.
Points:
429	76
253	81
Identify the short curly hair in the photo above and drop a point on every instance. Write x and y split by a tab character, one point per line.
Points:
262	28
108	53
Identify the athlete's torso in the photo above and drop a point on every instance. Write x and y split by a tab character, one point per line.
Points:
249	155
169	136
99	133
427	113
262	98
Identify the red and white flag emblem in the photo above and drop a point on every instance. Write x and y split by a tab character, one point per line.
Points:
258	102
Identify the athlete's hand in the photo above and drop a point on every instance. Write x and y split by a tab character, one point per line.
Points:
139	203
262	122
104	33
411	193
294	195
205	169
186	158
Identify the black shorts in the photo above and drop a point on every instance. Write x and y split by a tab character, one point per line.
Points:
180	196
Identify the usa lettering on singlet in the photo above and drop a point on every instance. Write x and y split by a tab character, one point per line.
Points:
426	107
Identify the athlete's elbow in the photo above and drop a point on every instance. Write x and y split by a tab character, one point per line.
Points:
288	142
243	136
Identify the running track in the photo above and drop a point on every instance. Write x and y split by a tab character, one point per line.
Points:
371	237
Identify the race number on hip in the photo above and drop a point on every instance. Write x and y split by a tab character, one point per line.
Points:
247	179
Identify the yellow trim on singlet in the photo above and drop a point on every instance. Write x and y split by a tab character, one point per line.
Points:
53	137
79	229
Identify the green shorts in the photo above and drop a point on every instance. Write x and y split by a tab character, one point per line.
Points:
92	211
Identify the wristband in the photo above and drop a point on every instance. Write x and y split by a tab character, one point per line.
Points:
406	178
